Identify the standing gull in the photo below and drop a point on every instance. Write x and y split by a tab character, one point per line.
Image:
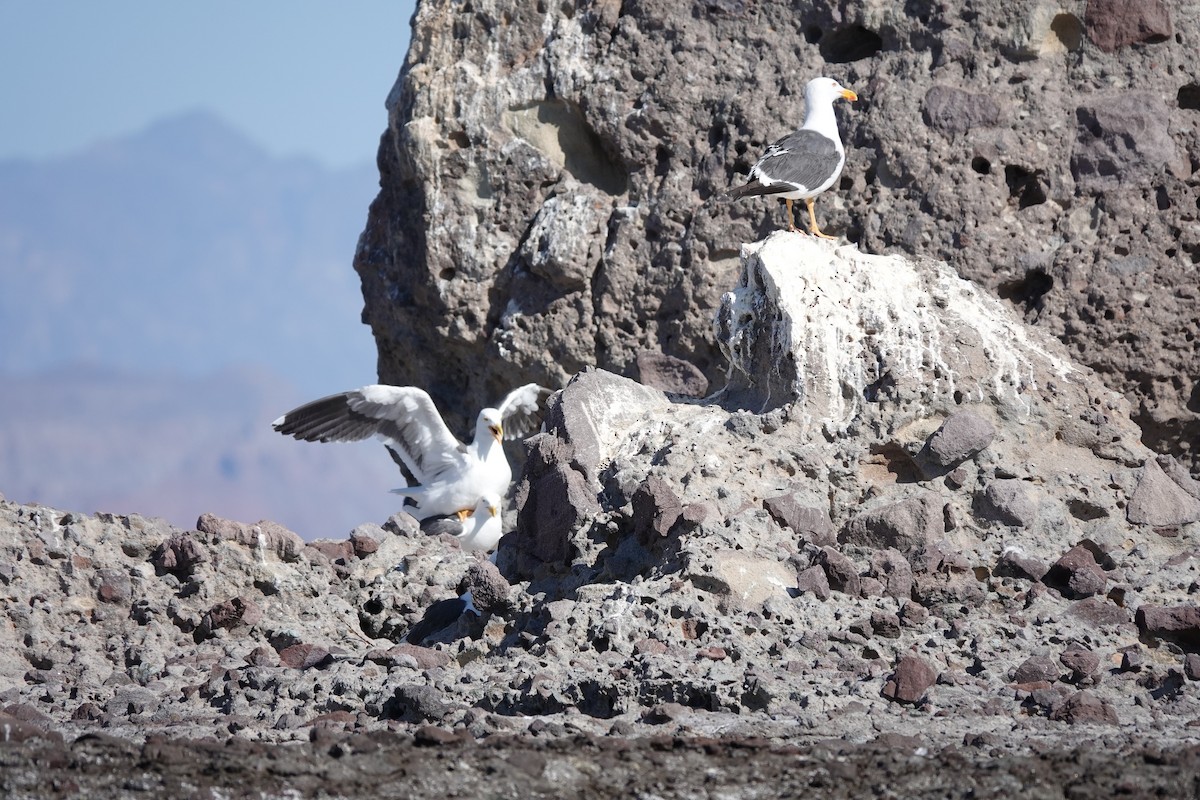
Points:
451	477
803	164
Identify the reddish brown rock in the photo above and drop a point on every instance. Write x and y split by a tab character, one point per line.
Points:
956	110
813	581
13	730
840	570
912	678
667	712
553	498
1082	662
656	508
893	571
338	720
264	534
335	551
939	588
1132	658
693	628
649	646
671	374
1180	624
27	713
433	736
1031	687
940	556
402	524
262	656
693	516
363	545
1099	612
1113	24
489	590
1121	139
1085	708
113	586
1179	474
89	712
885	624
811	524
906	525
180	554
913	614
1009	502
870	587
231	614
304	656
1076	574
1036	669
425	657
1014	564
1048	698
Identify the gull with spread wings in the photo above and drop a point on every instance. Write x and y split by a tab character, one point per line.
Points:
451	477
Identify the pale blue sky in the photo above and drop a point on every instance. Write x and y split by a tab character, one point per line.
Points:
300	77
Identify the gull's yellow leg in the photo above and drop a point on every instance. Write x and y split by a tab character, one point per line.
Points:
812	221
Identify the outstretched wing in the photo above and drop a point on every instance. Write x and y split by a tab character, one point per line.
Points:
522	410
404	417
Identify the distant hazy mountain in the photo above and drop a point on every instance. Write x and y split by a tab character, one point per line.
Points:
209	287
184	247
85	439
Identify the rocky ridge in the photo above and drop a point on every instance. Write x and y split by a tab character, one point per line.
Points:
978	540
550	177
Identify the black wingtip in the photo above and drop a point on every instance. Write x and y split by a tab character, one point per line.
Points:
324	420
759	190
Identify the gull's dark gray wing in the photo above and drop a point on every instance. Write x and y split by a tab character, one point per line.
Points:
799	161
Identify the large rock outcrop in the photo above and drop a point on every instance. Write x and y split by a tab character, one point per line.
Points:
929	508
914	459
550	174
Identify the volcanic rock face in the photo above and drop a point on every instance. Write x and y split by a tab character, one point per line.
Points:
550	177
843	527
982	535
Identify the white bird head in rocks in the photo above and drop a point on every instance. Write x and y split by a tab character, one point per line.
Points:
824	91
482	530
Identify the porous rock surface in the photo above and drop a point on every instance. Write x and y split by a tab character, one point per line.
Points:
679	568
551	173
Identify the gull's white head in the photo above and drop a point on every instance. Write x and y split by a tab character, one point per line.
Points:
487	507
826	90
490	420
482	533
